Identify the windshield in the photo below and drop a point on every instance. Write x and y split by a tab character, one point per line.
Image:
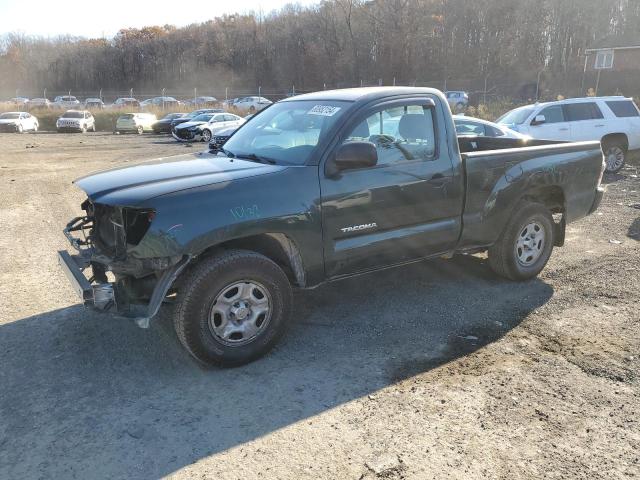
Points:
204	117
517	116
9	116
286	133
73	115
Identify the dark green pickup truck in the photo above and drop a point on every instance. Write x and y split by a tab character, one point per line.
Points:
316	188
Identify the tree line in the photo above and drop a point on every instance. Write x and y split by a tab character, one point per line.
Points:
334	43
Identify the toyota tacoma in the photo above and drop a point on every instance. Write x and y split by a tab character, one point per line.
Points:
316	188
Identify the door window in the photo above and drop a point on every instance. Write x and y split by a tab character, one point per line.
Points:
399	134
623	108
582	111
553	114
470	128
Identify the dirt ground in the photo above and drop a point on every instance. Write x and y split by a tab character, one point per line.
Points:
437	370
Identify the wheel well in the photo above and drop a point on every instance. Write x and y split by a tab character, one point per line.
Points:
551	197
275	246
615	138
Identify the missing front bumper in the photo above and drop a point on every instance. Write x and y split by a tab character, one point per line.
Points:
102	297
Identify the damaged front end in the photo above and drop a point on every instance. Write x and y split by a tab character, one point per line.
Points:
119	281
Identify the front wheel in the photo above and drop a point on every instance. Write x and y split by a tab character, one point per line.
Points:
525	246
140	130
232	308
93	128
206	135
615	156
20	129
83	129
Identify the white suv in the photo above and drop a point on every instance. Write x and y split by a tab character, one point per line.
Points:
76	121
615	121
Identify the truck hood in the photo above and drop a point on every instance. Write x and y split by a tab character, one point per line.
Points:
130	186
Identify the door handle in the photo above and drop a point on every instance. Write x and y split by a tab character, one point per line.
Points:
563	129
599	126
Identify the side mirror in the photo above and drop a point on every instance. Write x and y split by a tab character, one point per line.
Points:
352	155
539	120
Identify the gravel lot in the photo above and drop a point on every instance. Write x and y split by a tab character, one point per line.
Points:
438	370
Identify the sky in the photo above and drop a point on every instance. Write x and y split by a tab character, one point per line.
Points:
90	18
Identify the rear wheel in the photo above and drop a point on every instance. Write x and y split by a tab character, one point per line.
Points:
525	246
232	308
615	154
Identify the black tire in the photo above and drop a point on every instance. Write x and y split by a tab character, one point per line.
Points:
140	130
206	135
505	255
20	129
615	154
83	129
202	288
93	128
252	109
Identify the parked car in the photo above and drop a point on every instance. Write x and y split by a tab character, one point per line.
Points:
65	101
191	115
39	104
162	102
305	194
220	138
164	124
457	100
251	104
18	122
205	125
614	121
135	122
125	102
204	101
94	103
19	101
476	127
76	121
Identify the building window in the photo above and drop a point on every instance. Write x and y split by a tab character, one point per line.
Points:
604	60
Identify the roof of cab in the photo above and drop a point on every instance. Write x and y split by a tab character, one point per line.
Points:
363	94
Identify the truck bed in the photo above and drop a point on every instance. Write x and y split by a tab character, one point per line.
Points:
567	173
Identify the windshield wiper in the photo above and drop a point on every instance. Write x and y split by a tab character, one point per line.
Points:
255	158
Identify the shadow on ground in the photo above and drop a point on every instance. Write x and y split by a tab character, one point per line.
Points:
85	393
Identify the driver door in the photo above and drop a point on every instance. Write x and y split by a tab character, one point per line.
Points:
406	207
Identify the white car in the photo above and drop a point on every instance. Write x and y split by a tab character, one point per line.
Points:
476	127
65	101
94	103
614	121
204	126
76	121
251	104
18	122
36	103
458	100
135	122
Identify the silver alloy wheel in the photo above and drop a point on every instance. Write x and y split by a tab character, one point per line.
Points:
530	244
206	135
240	313
614	158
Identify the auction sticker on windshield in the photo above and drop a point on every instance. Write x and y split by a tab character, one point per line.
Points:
324	110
